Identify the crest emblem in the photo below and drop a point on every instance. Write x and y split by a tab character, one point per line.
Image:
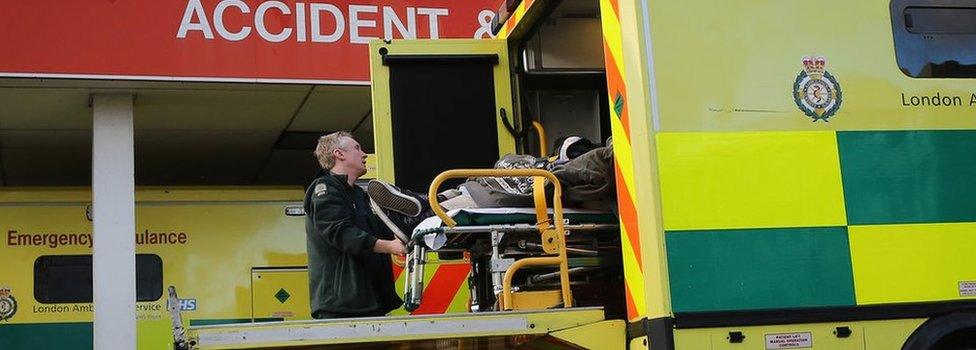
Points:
8	305
320	190
815	91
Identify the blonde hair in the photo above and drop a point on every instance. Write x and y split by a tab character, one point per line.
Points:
325	149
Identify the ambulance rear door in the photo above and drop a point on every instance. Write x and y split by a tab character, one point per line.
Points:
438	105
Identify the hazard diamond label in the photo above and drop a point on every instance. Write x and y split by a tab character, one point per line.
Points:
282	295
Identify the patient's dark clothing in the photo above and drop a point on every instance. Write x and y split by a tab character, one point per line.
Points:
589	177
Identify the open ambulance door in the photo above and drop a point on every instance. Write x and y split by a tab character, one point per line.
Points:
438	105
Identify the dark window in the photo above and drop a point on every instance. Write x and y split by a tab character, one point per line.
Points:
443	116
68	278
935	38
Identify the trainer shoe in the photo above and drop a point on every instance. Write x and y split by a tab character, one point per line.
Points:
397	230
401	225
390	197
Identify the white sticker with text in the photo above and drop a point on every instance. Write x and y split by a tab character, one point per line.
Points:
789	340
967	289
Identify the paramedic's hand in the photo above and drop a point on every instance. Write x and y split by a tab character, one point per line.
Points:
393	247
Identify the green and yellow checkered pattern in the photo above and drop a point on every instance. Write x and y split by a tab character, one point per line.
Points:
765	220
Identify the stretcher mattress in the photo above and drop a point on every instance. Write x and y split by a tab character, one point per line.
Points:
504	216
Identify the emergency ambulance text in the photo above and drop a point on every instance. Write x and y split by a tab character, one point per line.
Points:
54	240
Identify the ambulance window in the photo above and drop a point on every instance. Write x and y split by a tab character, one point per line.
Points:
68	278
149	277
934	38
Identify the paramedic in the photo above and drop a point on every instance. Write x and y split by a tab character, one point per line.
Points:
349	267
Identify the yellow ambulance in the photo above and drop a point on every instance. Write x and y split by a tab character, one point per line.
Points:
789	174
237	255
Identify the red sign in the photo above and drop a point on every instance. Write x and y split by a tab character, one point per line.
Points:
221	40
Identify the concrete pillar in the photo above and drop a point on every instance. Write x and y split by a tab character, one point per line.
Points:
113	218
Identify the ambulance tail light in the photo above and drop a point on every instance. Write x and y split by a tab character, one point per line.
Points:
295	210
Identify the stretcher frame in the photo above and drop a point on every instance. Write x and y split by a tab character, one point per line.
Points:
552	231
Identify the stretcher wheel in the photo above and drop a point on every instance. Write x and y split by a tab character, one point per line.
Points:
410	307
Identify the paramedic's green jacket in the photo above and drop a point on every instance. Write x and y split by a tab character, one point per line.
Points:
345	276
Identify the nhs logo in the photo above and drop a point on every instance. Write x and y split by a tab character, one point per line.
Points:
188	304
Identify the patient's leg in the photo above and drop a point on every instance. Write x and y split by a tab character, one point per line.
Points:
413	204
460	201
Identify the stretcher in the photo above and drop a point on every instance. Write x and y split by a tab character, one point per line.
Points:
516	253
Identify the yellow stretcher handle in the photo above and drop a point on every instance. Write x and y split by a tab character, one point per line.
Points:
465	173
539	130
541	214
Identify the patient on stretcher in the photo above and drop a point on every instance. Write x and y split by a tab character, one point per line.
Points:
585	172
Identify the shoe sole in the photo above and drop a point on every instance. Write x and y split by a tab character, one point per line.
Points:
389	223
390	198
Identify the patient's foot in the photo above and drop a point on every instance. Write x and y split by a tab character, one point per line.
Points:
401	225
402	232
393	198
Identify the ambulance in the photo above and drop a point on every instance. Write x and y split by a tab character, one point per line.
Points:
788	174
237	255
